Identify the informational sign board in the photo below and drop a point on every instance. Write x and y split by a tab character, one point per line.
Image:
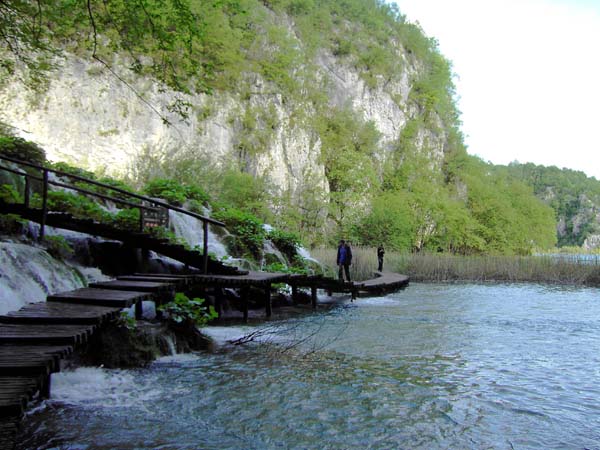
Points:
154	218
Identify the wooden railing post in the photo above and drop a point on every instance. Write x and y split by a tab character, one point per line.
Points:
205	249
26	192
44	204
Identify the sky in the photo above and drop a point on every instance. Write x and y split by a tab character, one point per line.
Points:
527	76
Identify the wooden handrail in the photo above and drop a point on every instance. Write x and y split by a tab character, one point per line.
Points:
116	189
46	182
75	188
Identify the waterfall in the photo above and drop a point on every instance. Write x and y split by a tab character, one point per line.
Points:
270	249
305	254
28	274
192	231
170	344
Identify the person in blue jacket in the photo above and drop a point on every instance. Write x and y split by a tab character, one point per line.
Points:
344	259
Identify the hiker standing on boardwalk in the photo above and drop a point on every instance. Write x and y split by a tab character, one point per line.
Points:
380	253
344	259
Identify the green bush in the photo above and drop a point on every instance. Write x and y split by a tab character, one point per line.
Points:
182	310
196	194
19	148
247	228
8	194
163	233
286	242
77	205
12	224
67	168
167	189
282	268
128	219
58	247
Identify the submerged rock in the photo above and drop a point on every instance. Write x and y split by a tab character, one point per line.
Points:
117	346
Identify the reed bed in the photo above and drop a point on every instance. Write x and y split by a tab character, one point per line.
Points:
556	269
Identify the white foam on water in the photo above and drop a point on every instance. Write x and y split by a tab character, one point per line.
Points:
91	274
222	335
28	274
192	231
304	253
90	386
377	301
177	358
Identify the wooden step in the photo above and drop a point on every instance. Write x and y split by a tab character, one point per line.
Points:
8	431
15	392
134	285
154	279
101	297
61	313
34	334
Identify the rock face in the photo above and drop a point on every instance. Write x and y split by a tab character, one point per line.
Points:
91	119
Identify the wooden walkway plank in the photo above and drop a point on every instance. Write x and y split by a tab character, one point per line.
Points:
34	334
15	392
60	313
101	297
127	285
8	431
252	278
155	279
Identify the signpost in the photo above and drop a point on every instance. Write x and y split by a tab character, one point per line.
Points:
158	217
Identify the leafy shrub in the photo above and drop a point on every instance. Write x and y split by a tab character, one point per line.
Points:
19	148
67	168
58	247
8	194
197	194
167	189
244	192
128	219
11	223
182	310
286	242
163	233
176	193
77	205
246	227
282	268
107	191
126	321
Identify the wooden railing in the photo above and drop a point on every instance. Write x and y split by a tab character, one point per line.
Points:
44	178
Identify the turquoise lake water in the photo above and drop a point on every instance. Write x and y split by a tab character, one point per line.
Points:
433	366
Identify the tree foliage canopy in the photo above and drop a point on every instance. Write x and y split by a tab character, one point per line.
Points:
413	195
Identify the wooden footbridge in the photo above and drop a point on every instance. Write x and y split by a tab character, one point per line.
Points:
35	339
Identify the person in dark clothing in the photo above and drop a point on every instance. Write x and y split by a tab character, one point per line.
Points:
380	253
344	259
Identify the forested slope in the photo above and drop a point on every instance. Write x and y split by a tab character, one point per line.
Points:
327	118
574	197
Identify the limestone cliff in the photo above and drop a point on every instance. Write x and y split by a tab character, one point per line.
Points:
89	118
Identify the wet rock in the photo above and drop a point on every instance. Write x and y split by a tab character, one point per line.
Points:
116	346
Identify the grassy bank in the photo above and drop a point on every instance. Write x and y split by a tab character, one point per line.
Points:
445	267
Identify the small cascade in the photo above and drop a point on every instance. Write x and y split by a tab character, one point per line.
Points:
192	231
305	254
271	254
28	274
168	339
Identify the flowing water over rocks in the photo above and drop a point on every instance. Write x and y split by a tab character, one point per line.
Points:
433	366
29	274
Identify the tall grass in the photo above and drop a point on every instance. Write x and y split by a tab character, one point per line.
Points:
444	267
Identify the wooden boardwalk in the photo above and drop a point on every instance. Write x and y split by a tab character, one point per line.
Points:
34	339
129	238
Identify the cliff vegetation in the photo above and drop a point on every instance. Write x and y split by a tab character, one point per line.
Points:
339	117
